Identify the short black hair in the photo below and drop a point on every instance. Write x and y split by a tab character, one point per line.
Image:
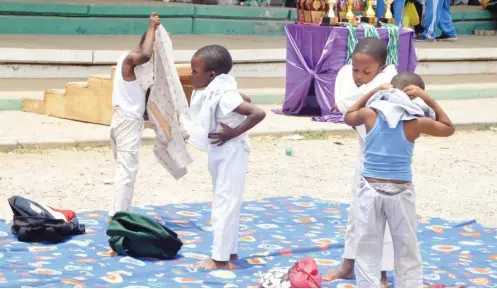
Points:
404	79
373	47
215	58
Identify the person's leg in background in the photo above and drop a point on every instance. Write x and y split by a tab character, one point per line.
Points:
430	23
445	23
398	11
419	28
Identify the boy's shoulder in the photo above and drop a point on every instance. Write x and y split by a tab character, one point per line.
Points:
345	72
345	68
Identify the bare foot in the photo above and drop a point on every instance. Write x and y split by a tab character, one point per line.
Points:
233	257
211	264
344	272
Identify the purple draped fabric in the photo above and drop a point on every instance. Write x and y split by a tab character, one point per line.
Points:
315	54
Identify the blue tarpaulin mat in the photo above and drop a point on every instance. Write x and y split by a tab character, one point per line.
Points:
274	232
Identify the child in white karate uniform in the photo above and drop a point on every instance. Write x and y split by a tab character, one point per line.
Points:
217	101
367	71
126	128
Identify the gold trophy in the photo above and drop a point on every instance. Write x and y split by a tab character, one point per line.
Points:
330	19
350	16
388	17
369	16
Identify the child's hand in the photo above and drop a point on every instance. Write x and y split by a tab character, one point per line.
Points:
334	108
154	21
384	86
414	91
223	136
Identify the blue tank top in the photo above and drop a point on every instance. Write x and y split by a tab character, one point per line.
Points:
387	152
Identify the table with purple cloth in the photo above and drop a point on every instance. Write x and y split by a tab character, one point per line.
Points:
314	55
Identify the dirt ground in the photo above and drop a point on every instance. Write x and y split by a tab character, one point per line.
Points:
455	177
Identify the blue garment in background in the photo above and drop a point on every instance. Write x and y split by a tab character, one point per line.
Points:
437	14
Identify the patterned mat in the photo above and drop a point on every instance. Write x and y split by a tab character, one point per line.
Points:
274	232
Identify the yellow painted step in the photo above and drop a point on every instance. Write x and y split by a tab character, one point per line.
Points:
33	105
74	87
90	101
54	102
100	81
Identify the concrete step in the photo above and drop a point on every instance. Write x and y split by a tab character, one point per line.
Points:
261	90
258	57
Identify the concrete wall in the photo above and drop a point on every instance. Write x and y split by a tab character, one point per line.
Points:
47	18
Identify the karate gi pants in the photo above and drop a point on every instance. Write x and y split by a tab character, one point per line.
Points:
378	204
437	14
125	136
387	263
228	166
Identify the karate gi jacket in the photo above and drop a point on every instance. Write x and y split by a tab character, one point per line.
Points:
167	107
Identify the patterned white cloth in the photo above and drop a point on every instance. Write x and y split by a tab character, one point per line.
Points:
167	106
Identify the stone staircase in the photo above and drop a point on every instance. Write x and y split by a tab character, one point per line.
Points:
89	101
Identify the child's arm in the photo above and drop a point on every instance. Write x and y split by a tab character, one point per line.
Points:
254	116
246	98
138	58
442	126
355	116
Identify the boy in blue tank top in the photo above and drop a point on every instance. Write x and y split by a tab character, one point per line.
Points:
386	193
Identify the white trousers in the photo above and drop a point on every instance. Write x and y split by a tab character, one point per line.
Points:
228	166
376	205
125	135
387	263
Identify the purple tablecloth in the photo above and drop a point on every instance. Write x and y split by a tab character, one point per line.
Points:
315	54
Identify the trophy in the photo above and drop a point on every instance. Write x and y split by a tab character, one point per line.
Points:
330	18
369	15
350	16
388	17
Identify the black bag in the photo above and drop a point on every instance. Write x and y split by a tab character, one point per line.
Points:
139	236
38	229
33	222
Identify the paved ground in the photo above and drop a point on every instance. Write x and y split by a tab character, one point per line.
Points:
192	42
454	178
33	129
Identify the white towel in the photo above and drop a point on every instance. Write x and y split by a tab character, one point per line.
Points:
394	105
203	107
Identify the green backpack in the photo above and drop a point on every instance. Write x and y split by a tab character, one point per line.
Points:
139	236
